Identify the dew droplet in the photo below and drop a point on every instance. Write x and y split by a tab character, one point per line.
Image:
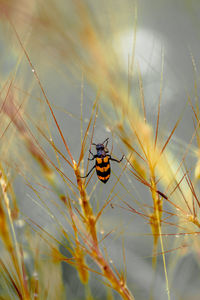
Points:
108	129
35	274
26	277
19	223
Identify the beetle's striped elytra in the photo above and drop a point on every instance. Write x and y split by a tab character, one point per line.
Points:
103	168
102	164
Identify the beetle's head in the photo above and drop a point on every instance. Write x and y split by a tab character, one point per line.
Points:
100	147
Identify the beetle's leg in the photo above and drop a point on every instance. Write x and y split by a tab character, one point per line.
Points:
88	173
91	152
93	156
117	160
90	158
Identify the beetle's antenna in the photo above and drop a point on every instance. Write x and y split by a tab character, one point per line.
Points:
106	141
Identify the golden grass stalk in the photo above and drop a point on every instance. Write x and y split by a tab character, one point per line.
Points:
89	218
9	239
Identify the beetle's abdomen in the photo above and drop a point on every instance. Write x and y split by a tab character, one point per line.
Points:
103	168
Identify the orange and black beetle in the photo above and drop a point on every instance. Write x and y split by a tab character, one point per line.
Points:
102	165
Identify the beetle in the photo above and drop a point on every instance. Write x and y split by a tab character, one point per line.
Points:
102	164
